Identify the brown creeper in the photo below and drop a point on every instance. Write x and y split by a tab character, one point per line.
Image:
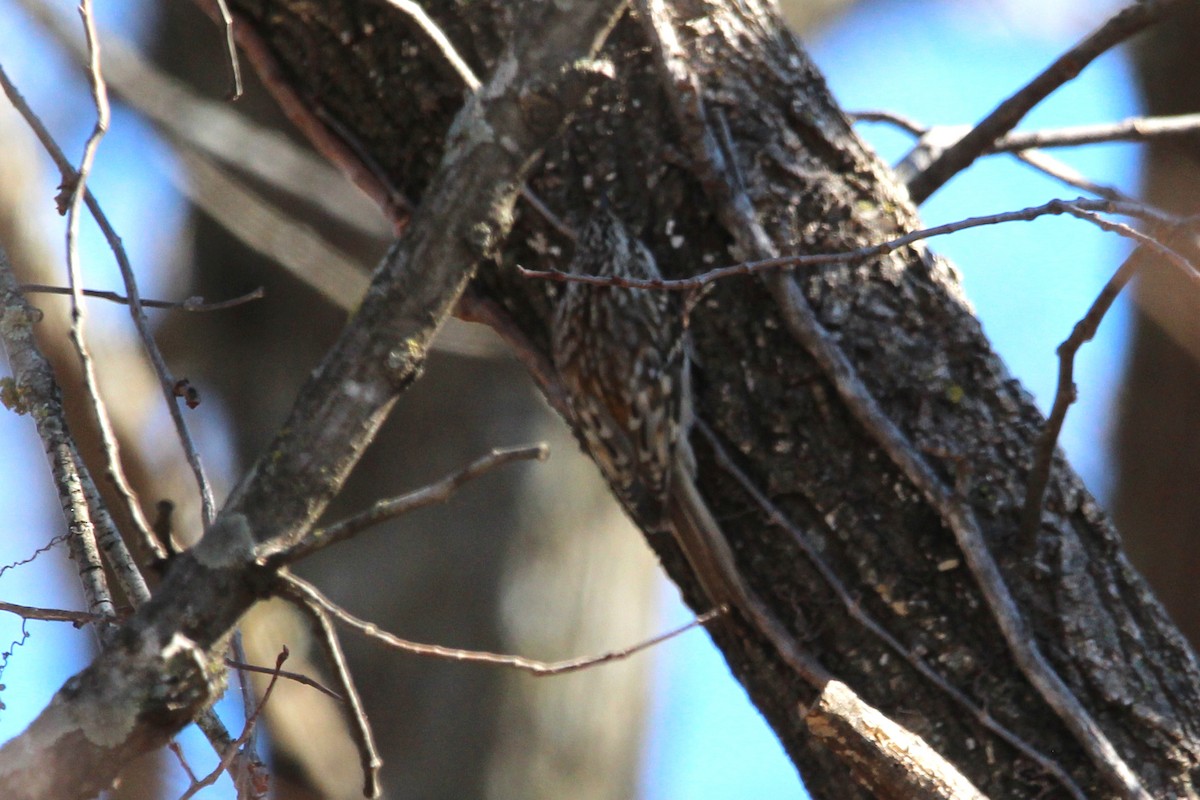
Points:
624	357
621	355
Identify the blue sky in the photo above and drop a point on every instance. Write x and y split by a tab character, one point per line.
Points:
939	62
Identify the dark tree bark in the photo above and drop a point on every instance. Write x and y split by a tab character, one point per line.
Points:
880	432
903	324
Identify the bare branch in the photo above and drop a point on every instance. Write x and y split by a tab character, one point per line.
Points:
1134	129
1048	165
314	605
247	731
194	304
931	145
765	266
1124	24
76	618
174	747
246	691
540	669
446	48
38	391
39	396
1066	393
860	735
131	579
1131	129
430	28
235	67
166	382
219	132
891	738
1182	262
383	510
77	336
295	677
896	120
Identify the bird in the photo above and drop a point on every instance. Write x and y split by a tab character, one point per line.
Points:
623	356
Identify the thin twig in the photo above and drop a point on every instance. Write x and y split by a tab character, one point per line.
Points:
107	535
776	516
296	677
438	492
78	187
1054	168
896	120
245	690
1130	129
1182	262
76	618
214	730
1066	393
442	42
1122	25
1133	129
1036	159
166	381
520	663
767	265
313	604
232	752
193	304
213	129
174	747
131	579
235	67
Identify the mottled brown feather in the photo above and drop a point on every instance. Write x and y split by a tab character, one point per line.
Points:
618	352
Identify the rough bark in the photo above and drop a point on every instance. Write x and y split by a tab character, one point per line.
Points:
903	324
366	84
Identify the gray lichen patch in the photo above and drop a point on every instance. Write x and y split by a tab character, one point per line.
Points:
228	543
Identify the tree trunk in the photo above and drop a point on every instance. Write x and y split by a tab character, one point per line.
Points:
903	324
875	431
